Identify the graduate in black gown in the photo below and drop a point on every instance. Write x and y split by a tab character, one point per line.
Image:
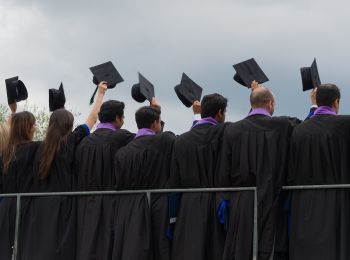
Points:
198	233
94	166
16	175
48	225
255	153
143	164
320	155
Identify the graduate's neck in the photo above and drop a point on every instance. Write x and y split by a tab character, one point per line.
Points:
144	132
107	125
260	111
268	107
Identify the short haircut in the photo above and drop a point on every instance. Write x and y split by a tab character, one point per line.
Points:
145	116
260	98
326	94
212	104
110	110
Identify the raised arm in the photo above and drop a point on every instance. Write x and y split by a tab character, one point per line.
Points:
313	104
92	118
154	103
13	108
196	108
255	85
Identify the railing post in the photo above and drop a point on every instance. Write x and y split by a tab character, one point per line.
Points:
18	216
255	231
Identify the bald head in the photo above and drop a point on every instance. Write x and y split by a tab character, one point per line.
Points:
262	98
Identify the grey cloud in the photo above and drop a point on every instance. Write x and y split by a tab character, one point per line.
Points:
47	42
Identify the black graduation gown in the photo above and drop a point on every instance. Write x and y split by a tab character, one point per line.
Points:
198	233
48	224
255	153
320	218
94	162
18	179
143	164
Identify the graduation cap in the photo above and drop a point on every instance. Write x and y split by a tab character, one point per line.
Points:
248	71
142	90
310	76
16	90
57	99
105	72
188	91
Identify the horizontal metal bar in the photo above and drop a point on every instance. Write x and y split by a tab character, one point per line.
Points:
317	187
189	190
121	192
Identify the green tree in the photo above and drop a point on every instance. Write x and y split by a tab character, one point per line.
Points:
3	113
42	116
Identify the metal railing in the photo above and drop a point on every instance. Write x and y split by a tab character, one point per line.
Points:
157	191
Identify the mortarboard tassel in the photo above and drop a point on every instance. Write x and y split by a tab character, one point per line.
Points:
93	96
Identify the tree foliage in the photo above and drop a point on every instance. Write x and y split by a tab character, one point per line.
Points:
42	116
3	113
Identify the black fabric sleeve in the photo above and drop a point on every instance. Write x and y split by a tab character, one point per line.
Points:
74	139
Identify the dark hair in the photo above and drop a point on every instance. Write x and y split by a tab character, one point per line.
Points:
260	98
145	116
20	132
212	104
60	125
326	94
110	110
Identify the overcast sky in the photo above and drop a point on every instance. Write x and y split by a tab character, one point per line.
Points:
46	42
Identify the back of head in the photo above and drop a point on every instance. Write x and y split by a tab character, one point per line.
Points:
21	127
145	116
110	110
60	125
212	104
260	98
326	94
21	131
61	122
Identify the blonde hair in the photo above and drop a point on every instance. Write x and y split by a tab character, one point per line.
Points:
4	135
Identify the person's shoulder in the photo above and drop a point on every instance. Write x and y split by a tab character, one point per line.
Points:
310	126
28	148
342	118
32	145
286	121
82	129
341	122
36	143
237	127
122	135
167	135
122	131
164	138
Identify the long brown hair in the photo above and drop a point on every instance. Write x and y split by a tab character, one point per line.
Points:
21	131
60	126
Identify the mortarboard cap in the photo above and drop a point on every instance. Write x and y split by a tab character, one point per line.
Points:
188	91
248	71
16	90
142	90
57	98
105	72
310	76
